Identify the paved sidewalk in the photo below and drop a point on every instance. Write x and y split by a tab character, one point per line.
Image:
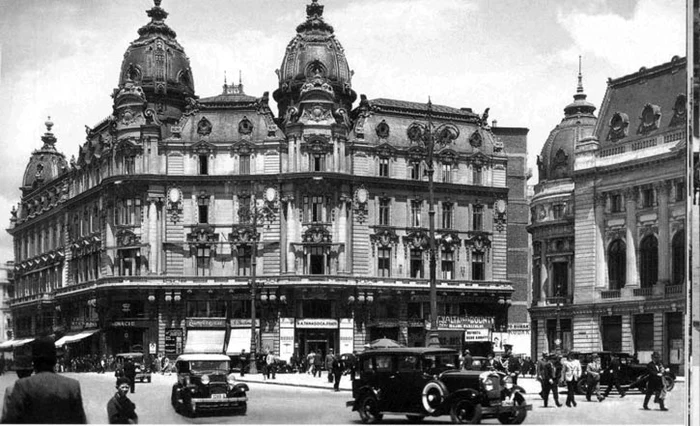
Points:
530	385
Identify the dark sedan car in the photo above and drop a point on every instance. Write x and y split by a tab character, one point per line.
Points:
423	382
631	371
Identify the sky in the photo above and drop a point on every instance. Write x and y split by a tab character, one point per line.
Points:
62	58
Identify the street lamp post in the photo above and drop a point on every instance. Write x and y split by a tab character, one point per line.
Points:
255	215
446	134
559	302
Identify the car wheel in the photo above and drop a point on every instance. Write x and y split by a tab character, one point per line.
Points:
369	409
465	411
669	383
242	409
582	386
149	380
517	416
414	418
433	395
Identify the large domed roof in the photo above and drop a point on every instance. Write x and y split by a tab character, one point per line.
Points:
314	52
556	160
45	164
156	61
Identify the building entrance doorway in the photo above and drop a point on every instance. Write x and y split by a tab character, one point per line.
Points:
315	340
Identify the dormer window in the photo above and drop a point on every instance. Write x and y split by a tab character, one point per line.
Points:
618	126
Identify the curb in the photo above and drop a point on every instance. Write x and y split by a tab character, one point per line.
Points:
295	385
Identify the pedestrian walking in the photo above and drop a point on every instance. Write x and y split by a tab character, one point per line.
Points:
45	397
329	365
571	371
310	362
165	365
613	372
120	409
539	371
550	382
271	362
318	363
593	379
337	368
556	362
467	360
243	361
130	373
655	382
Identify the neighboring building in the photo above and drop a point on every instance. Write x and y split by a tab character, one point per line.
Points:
608	221
6	290
146	239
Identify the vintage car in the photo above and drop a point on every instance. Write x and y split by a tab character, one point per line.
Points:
205	383
632	373
143	371
426	382
478	363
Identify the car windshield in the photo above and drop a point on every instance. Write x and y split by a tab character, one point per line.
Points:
208	366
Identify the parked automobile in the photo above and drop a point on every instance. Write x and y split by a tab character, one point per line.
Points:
631	371
426	382
143	371
205	383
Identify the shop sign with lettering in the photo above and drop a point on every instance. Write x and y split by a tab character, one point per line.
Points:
123	324
317	323
464	322
476	335
519	328
206	323
243	322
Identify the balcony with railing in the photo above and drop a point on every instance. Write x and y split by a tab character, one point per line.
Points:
610	294
644	291
673	290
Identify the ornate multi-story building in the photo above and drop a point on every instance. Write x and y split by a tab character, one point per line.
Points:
608	221
177	205
6	290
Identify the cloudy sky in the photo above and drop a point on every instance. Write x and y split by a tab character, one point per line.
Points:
520	58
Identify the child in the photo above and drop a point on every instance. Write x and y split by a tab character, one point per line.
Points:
120	409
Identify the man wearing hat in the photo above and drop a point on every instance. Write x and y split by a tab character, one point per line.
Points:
540	370
120	409
45	397
655	383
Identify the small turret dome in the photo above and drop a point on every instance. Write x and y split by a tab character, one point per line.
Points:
556	160
45	164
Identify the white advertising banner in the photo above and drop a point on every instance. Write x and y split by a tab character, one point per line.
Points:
286	338
347	335
317	323
476	335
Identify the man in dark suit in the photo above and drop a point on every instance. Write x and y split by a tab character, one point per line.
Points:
655	381
614	377
550	380
45	397
130	373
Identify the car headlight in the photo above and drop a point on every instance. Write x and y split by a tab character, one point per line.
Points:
205	380
230	379
488	384
508	382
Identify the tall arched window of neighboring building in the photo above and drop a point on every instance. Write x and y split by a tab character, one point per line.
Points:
617	254
649	261
678	258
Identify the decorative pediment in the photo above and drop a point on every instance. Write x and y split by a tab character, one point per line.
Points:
126	238
203	148
416	153
317	144
243	148
417	239
317	234
449	240
243	235
448	156
478	159
478	240
203	234
385	150
384	237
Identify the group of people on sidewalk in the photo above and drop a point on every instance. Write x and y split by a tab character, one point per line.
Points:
552	372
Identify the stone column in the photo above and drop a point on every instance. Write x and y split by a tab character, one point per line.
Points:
342	231
631	237
152	235
662	191
543	273
601	260
291	227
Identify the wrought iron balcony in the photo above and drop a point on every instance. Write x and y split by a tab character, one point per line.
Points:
610	294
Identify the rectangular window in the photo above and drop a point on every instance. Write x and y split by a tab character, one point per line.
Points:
317	209
448	265
318	163
415	170
616	203
478	272
644	332
557	211
478	218
648	197
203	165
128	212
384	167
447	215
446	173
129	165
203	261
203	209
680	191
476	175
384	262
128	262
244	209
244	260
415	213
384	212
416	263
244	164
317	261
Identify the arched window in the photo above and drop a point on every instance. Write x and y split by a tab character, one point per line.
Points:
649	261
678	258
617	254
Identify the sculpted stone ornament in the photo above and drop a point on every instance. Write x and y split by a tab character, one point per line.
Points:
476	140
619	123
204	127
245	126
382	130
679	111
650	119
